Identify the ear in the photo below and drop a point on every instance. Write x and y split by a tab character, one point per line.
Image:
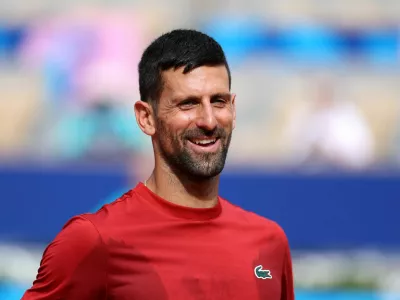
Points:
145	117
233	102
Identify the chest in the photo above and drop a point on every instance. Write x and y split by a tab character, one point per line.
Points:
193	262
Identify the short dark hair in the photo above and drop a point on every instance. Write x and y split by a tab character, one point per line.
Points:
175	49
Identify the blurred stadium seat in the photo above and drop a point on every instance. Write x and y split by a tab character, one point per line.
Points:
19	110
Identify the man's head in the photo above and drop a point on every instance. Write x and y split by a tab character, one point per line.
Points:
186	104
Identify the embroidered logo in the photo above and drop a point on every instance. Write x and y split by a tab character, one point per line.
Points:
262	274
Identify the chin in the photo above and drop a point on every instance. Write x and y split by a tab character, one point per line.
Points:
205	174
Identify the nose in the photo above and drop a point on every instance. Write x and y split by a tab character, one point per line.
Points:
206	117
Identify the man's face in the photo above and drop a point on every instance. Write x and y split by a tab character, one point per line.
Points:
194	121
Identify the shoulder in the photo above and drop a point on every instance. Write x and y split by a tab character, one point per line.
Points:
78	235
77	242
256	222
113	210
76	252
78	229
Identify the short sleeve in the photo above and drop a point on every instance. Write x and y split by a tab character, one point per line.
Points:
73	265
287	276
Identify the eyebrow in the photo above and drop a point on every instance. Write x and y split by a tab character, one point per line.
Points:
213	96
221	95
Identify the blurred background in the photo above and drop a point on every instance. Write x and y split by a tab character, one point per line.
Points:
316	148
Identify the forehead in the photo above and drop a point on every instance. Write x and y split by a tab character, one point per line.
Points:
201	81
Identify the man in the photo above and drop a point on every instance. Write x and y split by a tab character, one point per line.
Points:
173	237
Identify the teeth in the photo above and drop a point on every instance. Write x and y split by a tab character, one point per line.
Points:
204	142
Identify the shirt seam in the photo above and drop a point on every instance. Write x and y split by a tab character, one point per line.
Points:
173	217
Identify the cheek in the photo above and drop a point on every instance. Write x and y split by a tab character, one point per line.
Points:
225	118
186	117
180	122
172	128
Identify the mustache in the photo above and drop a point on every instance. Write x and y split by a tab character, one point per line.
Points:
199	133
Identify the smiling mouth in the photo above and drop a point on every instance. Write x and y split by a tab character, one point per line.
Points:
204	142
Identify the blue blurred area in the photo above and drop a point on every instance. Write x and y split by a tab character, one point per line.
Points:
15	292
239	37
244	36
104	126
38	201
312	44
381	45
343	295
305	42
11	291
11	37
318	212
323	211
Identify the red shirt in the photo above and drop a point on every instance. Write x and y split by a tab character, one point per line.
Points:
142	247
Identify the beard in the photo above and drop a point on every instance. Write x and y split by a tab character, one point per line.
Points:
195	166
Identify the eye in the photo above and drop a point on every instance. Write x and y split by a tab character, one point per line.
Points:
186	104
220	102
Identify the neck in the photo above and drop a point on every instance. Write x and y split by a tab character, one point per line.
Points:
180	190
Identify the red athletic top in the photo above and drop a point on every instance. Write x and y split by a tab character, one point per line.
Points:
142	247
